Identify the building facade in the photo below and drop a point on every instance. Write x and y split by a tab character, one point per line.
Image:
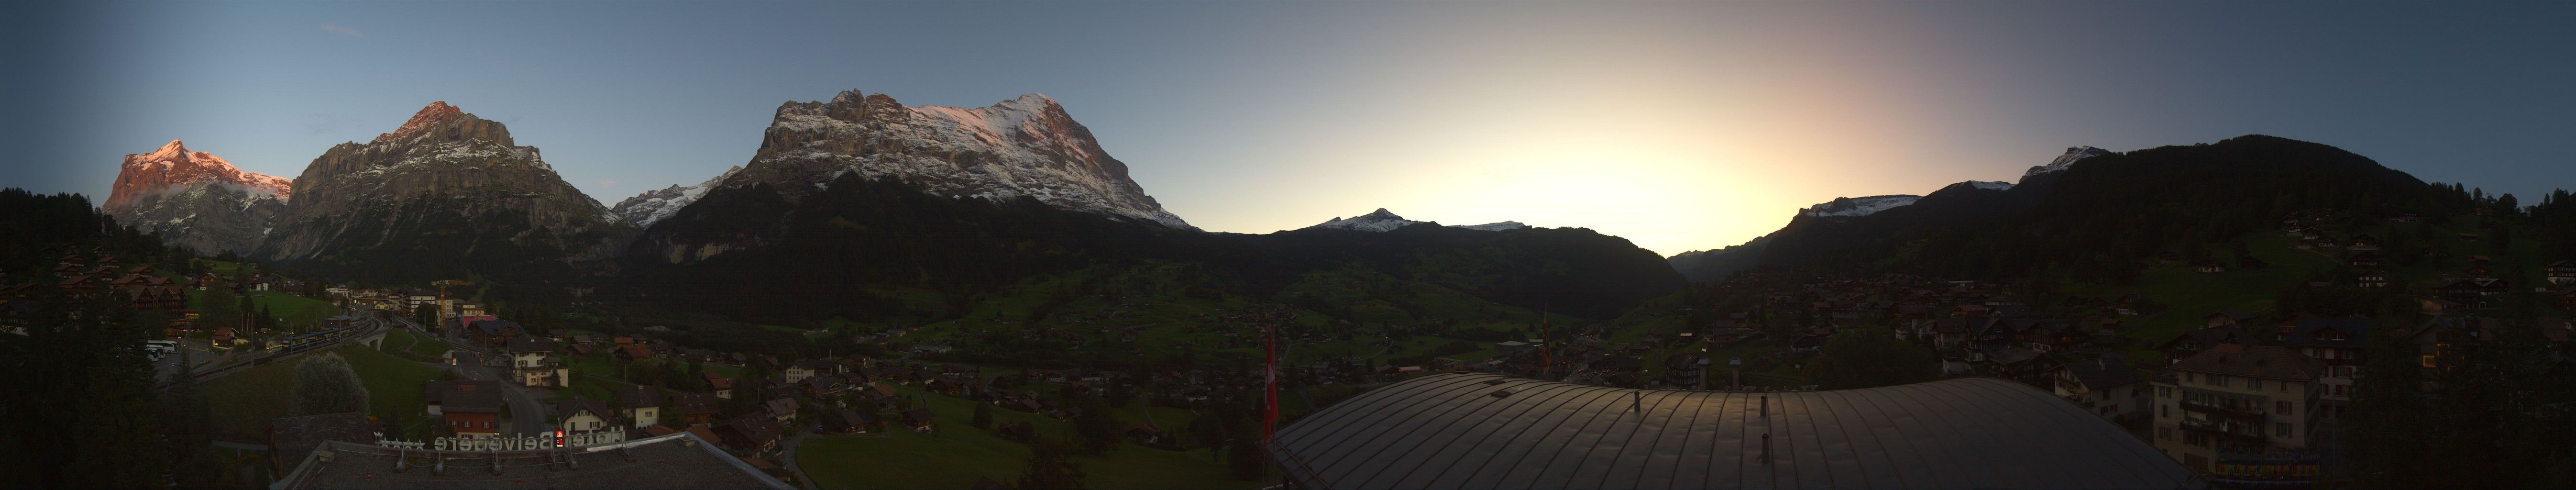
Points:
2233	404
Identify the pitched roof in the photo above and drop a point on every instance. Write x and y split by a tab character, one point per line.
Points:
2103	373
638	396
2013	355
751	427
2253	361
693	403
1488	431
531	344
472	401
2347	332
436	391
567	408
2222	334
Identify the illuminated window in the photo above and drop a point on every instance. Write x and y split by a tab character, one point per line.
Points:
2428	361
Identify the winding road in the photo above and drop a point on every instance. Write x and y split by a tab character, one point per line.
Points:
527	416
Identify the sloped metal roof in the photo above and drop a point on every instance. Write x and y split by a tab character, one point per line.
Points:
1454	431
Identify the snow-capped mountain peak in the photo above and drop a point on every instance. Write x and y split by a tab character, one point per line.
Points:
1383	221
2072	155
1380	221
173	166
651	206
1859	206
195	198
1025	146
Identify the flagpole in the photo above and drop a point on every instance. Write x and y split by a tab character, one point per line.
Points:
1270	375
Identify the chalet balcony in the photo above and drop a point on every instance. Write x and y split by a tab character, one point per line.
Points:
2239	433
2245	411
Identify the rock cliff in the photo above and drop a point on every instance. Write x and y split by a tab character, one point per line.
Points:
196	199
448	188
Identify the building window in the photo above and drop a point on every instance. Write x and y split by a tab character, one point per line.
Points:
2164	433
2254	384
2428	361
2283	406
2164	411
2218	380
2283	428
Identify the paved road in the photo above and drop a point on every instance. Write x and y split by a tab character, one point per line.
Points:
527	416
787	457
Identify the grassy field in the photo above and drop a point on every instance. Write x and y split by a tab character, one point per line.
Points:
958	453
243	402
415	343
298	311
2189	295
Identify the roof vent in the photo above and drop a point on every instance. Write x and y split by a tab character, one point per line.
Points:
1501	393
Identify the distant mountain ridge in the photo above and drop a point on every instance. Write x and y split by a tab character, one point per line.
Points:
196	199
444	194
1849	221
1383	221
654	205
2079	190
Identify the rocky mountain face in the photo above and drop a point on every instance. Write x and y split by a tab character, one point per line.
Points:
196	199
445	194
1026	147
2072	155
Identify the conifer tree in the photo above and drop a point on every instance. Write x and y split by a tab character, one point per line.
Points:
1049	468
324	383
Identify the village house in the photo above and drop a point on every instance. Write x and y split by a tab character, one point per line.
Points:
800	370
583	415
920	419
533	362
2340	343
640	404
694	409
2193	342
782	409
753	433
473	411
2234	401
852	422
721	387
2019	364
495	334
435	393
2106	387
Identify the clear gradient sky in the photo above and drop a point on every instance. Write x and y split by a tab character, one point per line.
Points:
1680	126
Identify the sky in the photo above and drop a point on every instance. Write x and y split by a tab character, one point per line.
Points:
1679	126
